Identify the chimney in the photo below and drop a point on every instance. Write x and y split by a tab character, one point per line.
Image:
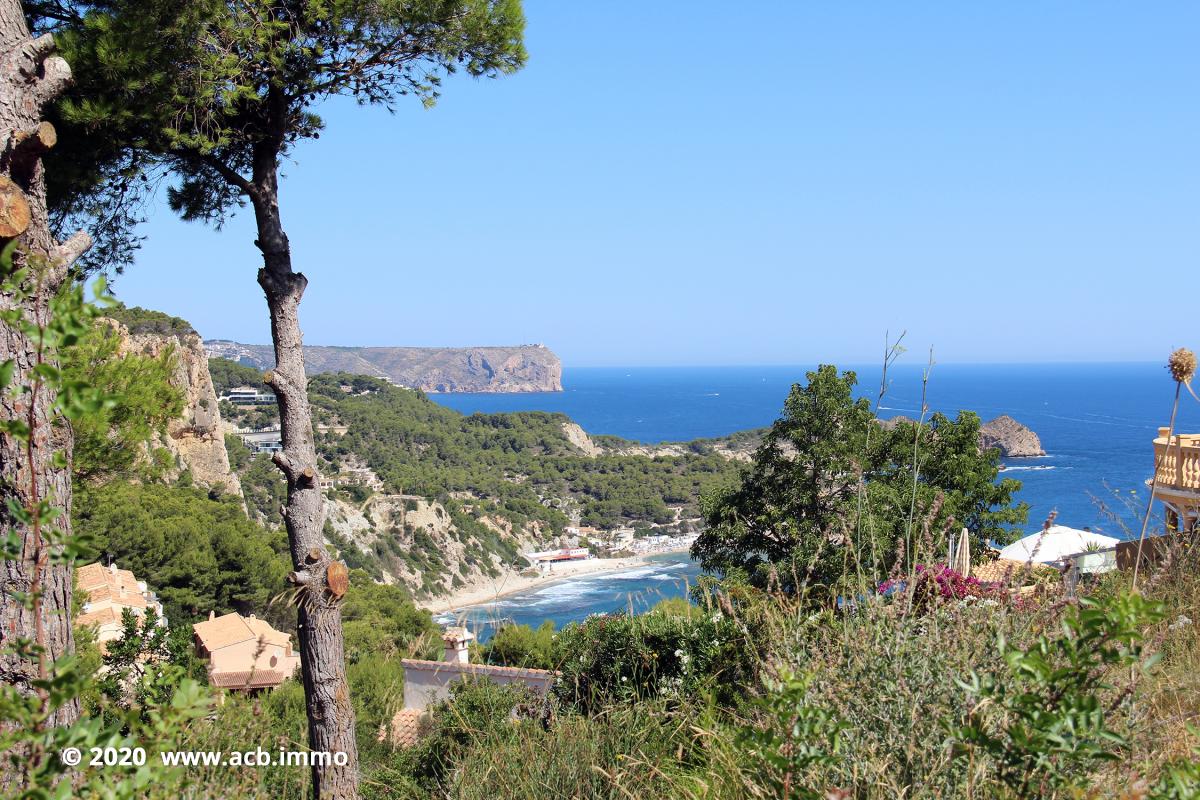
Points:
212	614
457	640
113	568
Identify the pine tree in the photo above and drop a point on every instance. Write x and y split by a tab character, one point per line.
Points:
216	94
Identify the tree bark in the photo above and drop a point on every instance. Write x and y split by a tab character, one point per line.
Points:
322	653
31	77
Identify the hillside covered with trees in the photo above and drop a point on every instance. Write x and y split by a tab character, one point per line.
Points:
495	483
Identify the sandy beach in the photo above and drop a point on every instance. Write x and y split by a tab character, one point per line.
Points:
488	589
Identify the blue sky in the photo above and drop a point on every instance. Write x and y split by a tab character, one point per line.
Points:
752	183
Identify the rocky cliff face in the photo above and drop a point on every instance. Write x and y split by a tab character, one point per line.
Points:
1011	438
196	438
579	438
527	368
418	545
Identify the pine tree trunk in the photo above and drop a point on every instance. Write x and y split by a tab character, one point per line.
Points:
322	653
30	78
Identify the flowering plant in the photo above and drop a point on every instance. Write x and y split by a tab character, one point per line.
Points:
937	582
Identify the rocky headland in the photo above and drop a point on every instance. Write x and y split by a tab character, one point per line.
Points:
196	438
1011	438
524	368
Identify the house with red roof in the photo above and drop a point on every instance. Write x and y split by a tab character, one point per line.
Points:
108	591
244	653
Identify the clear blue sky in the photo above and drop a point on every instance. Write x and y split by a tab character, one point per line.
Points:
752	183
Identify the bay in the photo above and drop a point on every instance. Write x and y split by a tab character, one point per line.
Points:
1095	421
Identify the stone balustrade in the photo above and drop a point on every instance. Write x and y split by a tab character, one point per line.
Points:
1178	461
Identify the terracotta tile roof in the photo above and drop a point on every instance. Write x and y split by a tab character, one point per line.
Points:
475	669
406	728
223	631
246	679
102	617
102	593
233	629
104	583
262	628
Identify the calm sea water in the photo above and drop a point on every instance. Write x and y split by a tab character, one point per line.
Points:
1096	422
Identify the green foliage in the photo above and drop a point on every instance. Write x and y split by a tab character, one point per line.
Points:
228	375
797	737
141	668
114	441
264	488
351	555
381	620
382	626
625	752
1055	722
29	739
510	461
522	646
254	417
623	657
239	454
474	709
154	92
830	493
200	554
1179	780
144	320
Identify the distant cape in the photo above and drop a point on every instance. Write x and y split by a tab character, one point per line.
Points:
524	368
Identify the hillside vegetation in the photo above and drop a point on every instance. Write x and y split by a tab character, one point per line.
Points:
434	498
519	465
932	686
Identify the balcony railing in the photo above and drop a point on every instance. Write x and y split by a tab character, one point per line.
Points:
1178	461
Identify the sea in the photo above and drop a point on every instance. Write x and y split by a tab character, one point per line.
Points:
1095	421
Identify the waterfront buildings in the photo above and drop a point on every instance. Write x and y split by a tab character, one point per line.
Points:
247	396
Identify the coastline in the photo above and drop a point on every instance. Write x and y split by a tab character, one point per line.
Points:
489	590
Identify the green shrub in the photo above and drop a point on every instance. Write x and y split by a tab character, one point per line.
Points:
521	646
622	657
1055	703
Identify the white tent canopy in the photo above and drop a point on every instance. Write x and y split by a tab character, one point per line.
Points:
1054	543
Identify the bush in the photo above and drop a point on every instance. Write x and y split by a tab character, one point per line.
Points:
1055	702
621	657
476	710
521	646
144	320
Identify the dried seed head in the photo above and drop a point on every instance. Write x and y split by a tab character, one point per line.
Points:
1182	365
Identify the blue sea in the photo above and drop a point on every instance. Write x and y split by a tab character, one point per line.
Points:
1095	421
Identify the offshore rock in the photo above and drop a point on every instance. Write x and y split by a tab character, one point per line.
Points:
1011	438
